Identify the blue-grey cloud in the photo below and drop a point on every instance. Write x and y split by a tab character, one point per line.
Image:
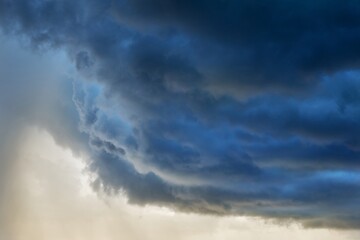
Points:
235	107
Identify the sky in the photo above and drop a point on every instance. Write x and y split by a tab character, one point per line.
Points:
134	119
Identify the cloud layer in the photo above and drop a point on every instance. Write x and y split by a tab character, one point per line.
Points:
222	107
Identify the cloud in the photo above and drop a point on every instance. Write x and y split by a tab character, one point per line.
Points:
216	107
52	199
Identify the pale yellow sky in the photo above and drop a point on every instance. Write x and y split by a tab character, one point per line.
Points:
50	199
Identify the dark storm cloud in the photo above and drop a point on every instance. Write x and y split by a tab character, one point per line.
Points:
285	39
224	107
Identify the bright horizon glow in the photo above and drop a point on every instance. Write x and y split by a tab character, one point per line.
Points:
52	199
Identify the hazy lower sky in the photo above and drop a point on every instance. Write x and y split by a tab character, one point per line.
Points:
133	119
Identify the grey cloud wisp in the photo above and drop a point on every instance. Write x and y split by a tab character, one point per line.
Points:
222	107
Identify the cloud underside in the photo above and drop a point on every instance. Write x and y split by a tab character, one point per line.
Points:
220	107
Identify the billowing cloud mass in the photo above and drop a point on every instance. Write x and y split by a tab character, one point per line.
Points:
222	107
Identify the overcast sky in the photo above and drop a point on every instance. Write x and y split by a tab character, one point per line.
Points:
201	119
